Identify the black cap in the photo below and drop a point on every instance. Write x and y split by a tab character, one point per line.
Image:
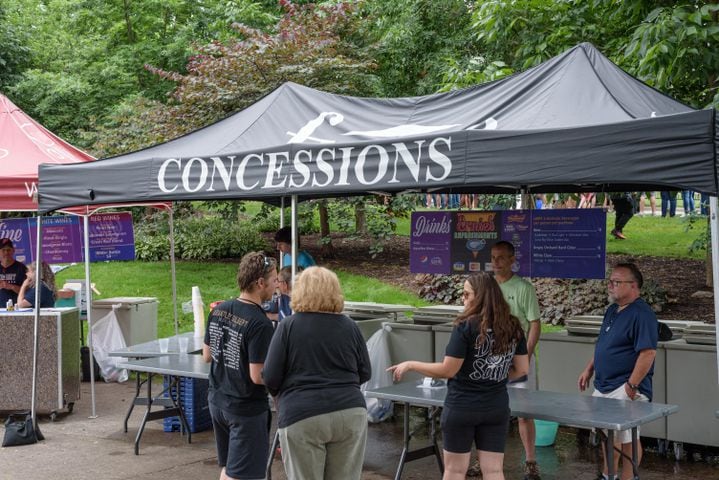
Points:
5	243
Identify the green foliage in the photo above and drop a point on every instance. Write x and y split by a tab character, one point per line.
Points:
14	54
673	50
198	238
699	226
413	39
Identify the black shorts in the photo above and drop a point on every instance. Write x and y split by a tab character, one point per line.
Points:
488	430
243	443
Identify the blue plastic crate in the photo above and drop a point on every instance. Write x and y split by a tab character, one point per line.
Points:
193	398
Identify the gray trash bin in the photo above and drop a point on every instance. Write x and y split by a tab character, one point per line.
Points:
137	316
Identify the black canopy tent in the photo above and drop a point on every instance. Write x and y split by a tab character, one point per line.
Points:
574	123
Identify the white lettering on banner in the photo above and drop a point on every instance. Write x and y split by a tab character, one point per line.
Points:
320	168
324	167
31	189
161	174
225	173
14	234
430	226
188	170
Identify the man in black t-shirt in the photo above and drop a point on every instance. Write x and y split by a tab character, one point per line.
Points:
237	338
12	273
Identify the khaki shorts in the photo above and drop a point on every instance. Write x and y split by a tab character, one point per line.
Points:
623	436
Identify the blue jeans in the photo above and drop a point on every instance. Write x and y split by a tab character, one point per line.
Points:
669	201
704	207
688	199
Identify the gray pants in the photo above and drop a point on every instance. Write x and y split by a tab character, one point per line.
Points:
329	446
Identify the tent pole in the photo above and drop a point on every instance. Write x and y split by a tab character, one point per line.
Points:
88	299
36	324
282	224
294	236
172	269
714	222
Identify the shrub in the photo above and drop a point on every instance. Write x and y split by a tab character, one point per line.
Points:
198	238
559	299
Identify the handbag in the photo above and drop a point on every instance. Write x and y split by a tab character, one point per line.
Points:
19	430
665	333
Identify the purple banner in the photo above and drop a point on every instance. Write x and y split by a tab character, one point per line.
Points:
430	242
569	243
472	239
111	237
516	229
562	243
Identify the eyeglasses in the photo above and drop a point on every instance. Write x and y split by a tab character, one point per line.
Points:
615	283
269	262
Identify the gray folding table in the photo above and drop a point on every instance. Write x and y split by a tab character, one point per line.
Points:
152	349
567	409
175	366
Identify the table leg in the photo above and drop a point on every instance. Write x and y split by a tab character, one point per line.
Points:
273	448
610	455
138	387
144	417
405	446
635	455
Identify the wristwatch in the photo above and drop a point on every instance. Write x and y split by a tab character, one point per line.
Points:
633	387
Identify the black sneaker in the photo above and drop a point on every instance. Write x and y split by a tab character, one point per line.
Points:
531	471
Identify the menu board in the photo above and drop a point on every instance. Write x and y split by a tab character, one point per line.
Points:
111	237
562	243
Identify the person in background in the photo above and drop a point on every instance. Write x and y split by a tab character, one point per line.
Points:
316	364
652	202
669	203
624	353
26	297
704	206
283	237
623	211
279	306
12	273
236	341
688	202
486	348
522	299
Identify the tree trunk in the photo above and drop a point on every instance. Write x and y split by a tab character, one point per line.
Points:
327	249
128	23
360	219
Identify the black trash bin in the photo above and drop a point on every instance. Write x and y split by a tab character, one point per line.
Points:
85	360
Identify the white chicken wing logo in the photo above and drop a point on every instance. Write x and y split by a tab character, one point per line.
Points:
305	134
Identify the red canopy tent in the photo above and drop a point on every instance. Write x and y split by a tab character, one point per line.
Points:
25	144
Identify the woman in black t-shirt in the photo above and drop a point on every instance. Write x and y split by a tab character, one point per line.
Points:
487	347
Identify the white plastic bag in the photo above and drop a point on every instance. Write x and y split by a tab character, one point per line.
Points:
106	337
378	348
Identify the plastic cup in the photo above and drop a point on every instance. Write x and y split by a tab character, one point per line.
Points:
164	344
184	344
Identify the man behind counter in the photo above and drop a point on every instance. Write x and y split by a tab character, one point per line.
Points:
12	273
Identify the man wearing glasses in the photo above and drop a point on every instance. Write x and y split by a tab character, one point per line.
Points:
236	342
624	353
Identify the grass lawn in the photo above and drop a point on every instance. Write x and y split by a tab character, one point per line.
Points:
216	281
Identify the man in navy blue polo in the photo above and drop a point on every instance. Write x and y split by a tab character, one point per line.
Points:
624	354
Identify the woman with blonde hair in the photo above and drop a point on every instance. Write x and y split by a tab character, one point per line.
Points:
315	365
486	348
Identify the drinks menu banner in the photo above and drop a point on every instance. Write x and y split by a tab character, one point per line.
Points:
111	237
562	243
